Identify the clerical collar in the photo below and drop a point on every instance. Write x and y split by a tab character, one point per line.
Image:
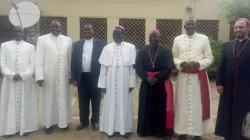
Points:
154	46
89	39
241	40
54	35
191	36
18	42
118	44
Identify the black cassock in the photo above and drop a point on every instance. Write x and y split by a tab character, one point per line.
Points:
152	99
234	75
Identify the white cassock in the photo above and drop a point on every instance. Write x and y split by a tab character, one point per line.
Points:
53	56
117	75
188	107
18	109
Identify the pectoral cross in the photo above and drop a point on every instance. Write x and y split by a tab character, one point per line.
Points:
153	65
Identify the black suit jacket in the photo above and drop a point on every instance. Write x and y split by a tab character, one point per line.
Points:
76	60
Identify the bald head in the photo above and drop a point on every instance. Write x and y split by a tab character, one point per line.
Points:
55	22
88	31
55	27
154	37
18	33
190	25
18	28
190	19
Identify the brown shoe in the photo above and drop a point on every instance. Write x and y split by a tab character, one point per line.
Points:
65	129
81	126
197	138
26	134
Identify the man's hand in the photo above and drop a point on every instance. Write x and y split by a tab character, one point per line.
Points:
185	65
194	64
151	80
131	89
17	77
40	83
103	90
74	82
220	89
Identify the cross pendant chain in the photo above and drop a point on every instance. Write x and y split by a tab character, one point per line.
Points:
238	53
153	61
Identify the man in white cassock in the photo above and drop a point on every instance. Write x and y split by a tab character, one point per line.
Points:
117	80
192	55
52	72
18	108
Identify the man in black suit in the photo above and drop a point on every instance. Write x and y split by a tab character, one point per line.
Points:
85	70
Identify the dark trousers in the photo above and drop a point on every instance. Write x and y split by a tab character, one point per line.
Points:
86	92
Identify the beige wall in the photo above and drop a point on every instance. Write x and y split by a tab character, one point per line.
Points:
115	9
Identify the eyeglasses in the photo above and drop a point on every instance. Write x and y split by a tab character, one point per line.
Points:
240	27
190	26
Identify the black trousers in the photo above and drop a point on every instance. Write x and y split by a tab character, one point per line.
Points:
88	92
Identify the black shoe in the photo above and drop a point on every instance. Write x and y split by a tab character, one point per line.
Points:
49	131
95	127
125	136
8	136
183	137
80	127
167	138
26	134
65	129
197	138
110	136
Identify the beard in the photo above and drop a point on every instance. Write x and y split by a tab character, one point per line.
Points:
240	35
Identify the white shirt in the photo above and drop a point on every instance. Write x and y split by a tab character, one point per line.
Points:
87	55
